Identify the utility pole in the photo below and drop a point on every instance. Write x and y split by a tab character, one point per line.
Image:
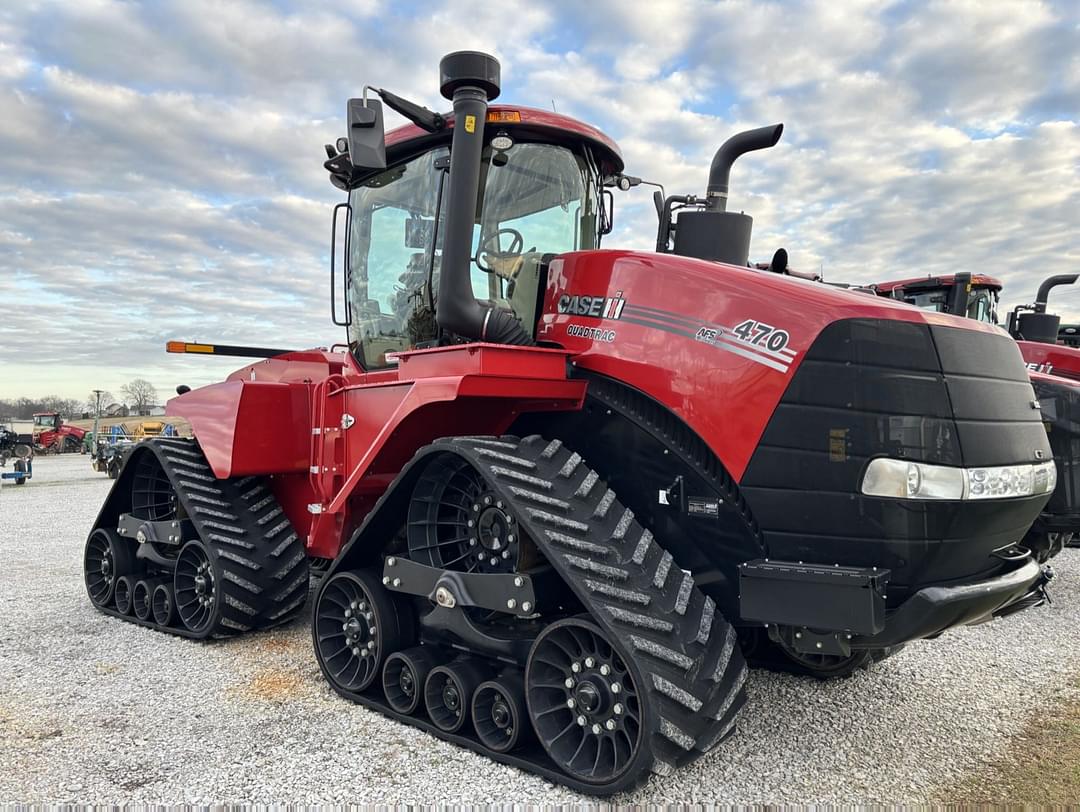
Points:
97	415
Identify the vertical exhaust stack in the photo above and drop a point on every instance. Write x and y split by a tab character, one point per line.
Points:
714	233
1037	324
470	80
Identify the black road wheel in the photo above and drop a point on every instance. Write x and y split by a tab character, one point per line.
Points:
20	466
499	715
142	596
584	702
125	585
163	605
357	623
105	559
404	676
196	585
448	693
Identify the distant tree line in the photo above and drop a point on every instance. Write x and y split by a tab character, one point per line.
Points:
139	395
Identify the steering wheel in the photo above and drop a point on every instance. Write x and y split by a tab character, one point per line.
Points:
501	258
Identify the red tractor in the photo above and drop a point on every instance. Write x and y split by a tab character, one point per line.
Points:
1055	376
54	436
549	488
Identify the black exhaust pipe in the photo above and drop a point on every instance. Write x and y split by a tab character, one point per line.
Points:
469	79
713	233
1048	285
739	144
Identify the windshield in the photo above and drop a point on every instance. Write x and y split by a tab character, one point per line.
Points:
538	199
981	304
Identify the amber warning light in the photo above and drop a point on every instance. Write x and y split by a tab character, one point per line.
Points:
503	117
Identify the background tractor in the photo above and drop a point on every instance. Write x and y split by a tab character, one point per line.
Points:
53	436
548	486
1055	376
17	445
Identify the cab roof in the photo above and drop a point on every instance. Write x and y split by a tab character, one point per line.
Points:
553	126
929	282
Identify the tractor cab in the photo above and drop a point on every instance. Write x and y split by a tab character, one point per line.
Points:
47	421
974	296
541	194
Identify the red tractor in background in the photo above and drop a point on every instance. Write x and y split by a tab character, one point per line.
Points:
1055	376
53	436
550	487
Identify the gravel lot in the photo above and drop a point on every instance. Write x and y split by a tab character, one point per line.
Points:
96	710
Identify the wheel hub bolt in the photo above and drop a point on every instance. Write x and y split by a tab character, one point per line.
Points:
570	702
575	667
610	724
589	662
509	538
581	721
605	669
569	682
617	709
472	523
472	542
596	729
494	562
487	500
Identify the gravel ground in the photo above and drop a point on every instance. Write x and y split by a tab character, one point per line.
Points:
96	710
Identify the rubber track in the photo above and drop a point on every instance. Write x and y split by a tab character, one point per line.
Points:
688	655
263	563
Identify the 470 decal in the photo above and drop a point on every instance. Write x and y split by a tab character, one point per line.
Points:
752	332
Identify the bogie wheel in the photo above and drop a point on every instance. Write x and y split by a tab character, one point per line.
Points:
404	675
498	710
357	624
142	596
105	559
448	693
197	587
163	605
125	586
585	704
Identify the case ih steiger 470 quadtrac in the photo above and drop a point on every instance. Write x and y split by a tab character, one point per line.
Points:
546	483
1055	376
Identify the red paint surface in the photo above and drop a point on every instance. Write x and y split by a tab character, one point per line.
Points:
977	280
261	420
726	398
1057	359
530	117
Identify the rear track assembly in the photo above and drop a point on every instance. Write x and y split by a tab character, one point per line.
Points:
209	557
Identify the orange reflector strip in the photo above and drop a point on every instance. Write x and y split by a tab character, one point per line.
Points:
503	117
183	346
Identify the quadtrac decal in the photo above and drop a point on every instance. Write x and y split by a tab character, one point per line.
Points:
596	307
756	341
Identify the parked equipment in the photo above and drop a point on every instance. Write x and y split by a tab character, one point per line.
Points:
53	436
1055	376
546	483
17	444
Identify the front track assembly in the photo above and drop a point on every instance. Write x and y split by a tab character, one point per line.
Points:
585	654
179	550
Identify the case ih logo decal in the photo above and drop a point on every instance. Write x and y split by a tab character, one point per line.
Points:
750	339
599	307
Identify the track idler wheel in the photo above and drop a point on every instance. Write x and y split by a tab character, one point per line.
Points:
448	692
163	605
357	624
404	676
499	715
106	558
142	596
125	586
584	702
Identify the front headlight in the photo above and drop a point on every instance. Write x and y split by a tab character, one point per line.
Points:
901	479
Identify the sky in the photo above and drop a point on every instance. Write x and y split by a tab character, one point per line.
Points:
161	163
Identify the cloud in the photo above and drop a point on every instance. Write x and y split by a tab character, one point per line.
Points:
160	164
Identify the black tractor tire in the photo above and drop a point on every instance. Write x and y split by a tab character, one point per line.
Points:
20	466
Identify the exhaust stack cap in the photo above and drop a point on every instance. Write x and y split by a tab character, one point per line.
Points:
469	69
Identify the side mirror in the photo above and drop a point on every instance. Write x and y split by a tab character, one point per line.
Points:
367	141
607	212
